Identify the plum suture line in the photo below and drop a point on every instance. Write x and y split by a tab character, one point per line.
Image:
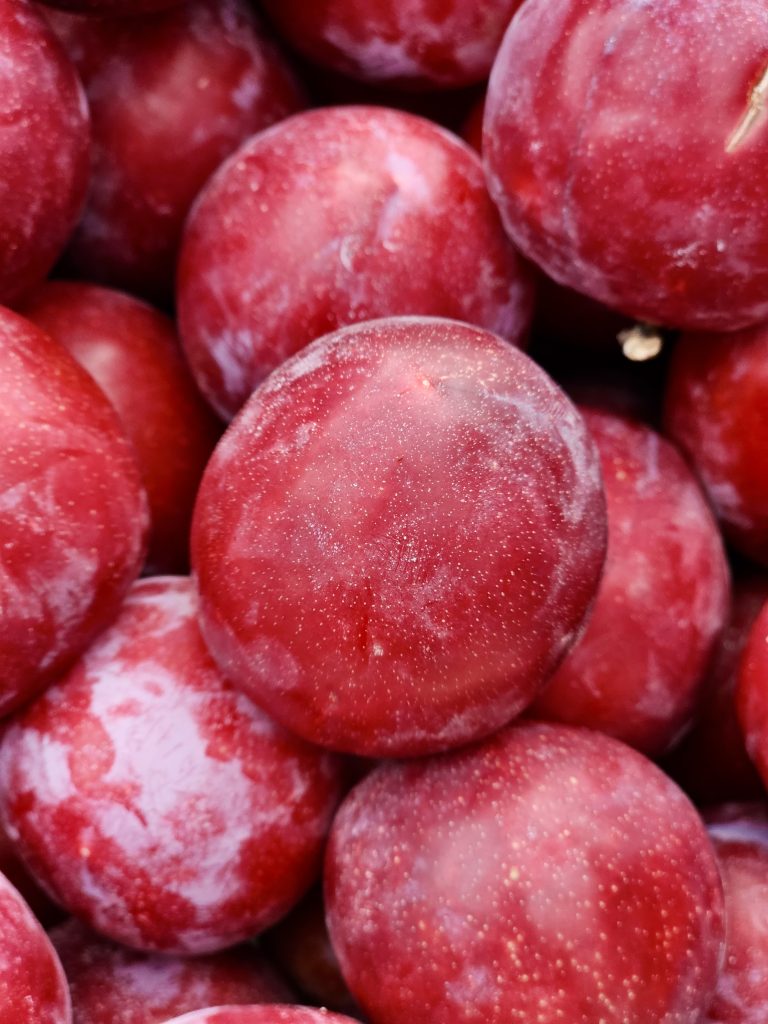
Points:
755	108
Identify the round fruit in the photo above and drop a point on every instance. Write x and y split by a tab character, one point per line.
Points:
171	95
32	983
399	537
414	43
153	801
110	984
625	144
548	874
664	552
43	148
132	352
73	514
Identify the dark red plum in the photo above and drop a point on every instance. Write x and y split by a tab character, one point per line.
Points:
73	514
711	763
43	148
715	404
111	984
412	43
739	834
32	983
171	96
662	603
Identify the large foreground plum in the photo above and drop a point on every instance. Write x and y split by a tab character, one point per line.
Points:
626	143
398	538
548	874
43	148
73	515
334	217
33	989
155	802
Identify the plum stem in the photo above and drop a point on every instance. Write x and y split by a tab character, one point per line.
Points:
755	108
641	342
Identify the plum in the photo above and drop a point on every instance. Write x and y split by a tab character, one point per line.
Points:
547	874
398	538
636	674
414	43
714	409
711	763
740	837
43	148
333	217
111	984
625	144
132	352
152	800
32	983
171	95
73	515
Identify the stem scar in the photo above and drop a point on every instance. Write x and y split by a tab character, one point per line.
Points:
755	109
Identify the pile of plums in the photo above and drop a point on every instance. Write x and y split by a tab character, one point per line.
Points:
383	512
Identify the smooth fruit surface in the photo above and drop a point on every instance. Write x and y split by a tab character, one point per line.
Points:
714	409
111	984
333	217
171	96
153	801
132	352
625	143
549	873
43	148
32	983
73	514
662	602
399	536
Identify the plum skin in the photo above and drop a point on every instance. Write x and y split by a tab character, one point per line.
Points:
612	146
547	873
399	537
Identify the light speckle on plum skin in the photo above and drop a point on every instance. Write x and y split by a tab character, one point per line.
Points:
333	217
662	603
399	537
153	801
111	984
412	43
605	144
548	874
73	514
171	96
33	989
43	151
